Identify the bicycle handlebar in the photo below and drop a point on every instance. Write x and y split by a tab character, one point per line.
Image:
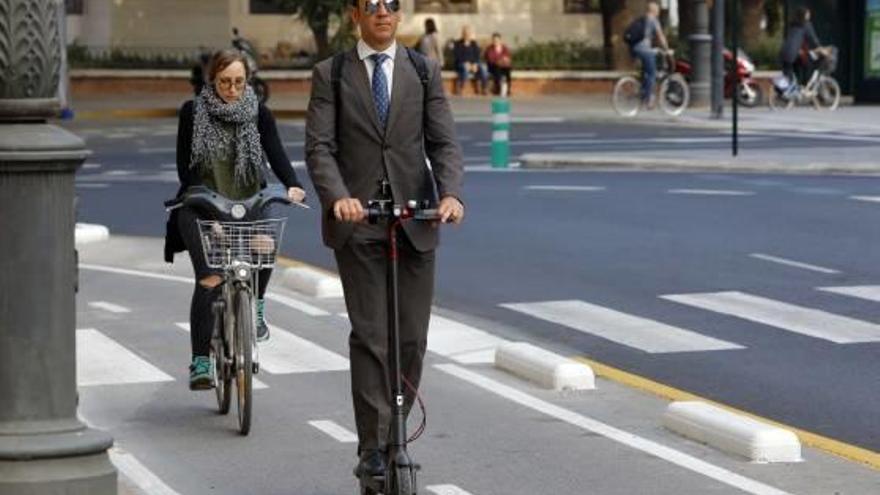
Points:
205	198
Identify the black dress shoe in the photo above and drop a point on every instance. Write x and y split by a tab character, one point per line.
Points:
372	463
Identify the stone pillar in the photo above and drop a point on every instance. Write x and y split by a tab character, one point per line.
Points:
701	44
44	448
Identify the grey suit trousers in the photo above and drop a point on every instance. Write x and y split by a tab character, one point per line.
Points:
363	268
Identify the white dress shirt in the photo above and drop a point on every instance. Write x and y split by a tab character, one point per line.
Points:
364	51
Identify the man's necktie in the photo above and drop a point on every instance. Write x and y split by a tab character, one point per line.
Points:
380	88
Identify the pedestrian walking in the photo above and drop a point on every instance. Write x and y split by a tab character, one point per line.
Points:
429	43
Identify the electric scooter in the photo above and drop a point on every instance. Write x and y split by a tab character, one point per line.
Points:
400	474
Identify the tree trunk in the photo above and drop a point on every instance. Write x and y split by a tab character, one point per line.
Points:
752	15
685	19
616	16
321	34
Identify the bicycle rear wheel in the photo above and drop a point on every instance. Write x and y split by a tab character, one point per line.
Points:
827	94
627	96
244	341
675	95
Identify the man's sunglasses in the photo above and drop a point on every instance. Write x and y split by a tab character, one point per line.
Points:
391	6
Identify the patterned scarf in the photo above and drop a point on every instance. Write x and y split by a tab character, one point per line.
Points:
220	128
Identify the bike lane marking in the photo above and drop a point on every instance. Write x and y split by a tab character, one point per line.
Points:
334	430
650	447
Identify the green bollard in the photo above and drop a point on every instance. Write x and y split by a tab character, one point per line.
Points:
500	132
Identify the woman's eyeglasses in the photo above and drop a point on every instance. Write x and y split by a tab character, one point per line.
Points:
391	6
227	84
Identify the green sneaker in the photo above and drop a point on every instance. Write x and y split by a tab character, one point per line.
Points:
262	326
201	373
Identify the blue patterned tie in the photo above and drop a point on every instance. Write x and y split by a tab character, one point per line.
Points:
380	88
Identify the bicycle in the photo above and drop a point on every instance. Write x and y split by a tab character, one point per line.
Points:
240	246
673	91
822	90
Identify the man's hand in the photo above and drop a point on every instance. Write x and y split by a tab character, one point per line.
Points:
349	210
296	195
450	210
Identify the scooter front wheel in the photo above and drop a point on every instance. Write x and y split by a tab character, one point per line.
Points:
750	94
403	481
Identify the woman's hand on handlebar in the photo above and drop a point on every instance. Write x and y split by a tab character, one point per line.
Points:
296	194
450	210
349	210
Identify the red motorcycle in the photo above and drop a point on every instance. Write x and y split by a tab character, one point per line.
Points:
749	93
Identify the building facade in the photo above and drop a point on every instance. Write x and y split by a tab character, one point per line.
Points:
188	24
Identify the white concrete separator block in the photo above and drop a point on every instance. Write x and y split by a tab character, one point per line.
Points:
544	367
312	282
732	433
86	233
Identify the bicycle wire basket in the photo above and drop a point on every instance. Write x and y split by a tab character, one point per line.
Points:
828	63
255	243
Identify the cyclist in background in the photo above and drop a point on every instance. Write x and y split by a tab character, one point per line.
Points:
794	55
640	36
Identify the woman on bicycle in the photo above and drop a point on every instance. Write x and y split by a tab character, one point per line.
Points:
223	135
801	35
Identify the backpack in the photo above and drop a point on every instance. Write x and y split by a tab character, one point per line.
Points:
417	59
635	32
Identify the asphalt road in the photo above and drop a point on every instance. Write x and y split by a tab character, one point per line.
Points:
689	279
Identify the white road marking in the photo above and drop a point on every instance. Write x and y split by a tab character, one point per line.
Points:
446	490
87	185
287	353
563	188
623	141
563	135
119	173
91	166
868	292
871	199
710	192
142	477
797	264
100	360
109	307
296	304
623	437
335	431
285	300
797	319
461	343
258	385
640	333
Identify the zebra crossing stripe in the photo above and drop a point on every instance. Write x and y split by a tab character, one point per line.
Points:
109	307
101	360
461	343
868	292
797	319
447	490
287	353
640	333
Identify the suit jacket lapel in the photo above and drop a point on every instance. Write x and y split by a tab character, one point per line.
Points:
357	74
399	88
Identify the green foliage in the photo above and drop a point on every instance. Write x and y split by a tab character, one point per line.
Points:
559	55
80	56
765	52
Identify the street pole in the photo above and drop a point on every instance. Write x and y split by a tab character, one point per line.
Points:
718	59
701	45
44	448
735	103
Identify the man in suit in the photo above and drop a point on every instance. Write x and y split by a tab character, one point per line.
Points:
384	124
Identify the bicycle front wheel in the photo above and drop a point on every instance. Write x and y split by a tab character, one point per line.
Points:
778	101
827	94
675	95
244	341
627	96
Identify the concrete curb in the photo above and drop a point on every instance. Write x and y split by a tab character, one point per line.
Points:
732	433
573	161
311	282
544	367
87	233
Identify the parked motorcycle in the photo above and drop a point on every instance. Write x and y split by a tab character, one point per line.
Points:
749	92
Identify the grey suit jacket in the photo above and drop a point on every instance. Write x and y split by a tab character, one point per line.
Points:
352	163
